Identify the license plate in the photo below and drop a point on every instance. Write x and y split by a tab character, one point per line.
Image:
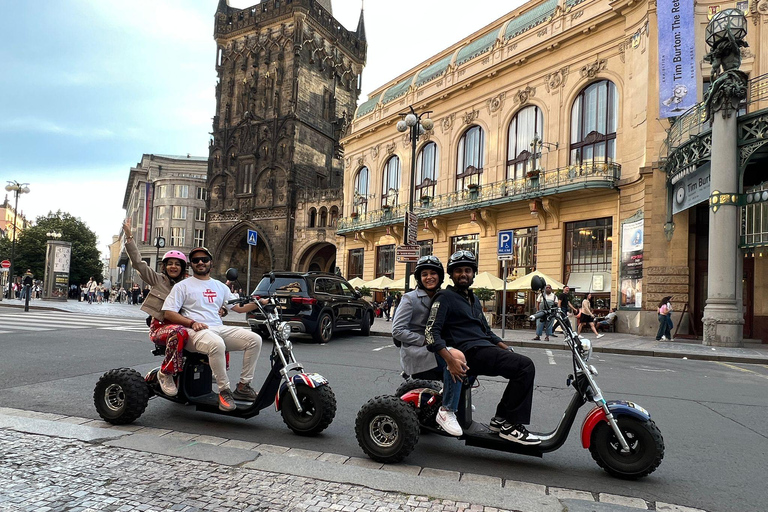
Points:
283	300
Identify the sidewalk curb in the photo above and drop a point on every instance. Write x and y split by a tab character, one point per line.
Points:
327	467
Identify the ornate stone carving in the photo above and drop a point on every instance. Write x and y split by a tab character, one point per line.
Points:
446	123
470	116
495	103
553	81
577	15
391	148
591	70
523	95
360	161
726	92
375	152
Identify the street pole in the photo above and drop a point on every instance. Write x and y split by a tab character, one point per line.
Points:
18	189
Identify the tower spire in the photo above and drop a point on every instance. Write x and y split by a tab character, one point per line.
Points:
223	6
361	23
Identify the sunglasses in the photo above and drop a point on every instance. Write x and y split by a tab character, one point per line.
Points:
458	255
204	259
430	259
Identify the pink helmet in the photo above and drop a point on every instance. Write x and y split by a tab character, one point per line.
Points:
175	254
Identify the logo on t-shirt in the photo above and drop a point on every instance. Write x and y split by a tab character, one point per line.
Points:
210	295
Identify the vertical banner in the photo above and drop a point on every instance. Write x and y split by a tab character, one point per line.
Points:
677	57
631	268
147	212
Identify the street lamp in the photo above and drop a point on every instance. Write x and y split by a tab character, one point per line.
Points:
159	244
18	189
418	126
53	234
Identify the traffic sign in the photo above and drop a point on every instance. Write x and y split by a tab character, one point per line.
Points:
5	264
407	253
412	226
253	237
506	246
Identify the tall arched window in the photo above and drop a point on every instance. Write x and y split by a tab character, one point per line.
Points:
594	117
390	182
470	162
522	129
312	217
360	199
323	217
426	170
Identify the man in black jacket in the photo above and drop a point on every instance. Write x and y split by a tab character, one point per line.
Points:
456	319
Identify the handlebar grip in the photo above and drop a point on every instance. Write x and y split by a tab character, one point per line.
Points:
539	315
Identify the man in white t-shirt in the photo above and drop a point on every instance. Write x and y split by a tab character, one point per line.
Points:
551	301
194	303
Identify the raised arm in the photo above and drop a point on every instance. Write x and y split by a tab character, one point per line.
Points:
145	271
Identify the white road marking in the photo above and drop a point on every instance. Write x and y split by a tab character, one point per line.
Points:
25	328
745	370
647	369
385	346
551	357
132	328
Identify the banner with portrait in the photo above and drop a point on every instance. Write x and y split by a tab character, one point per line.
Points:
631	267
677	57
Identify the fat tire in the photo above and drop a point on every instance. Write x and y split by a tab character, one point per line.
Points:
416	384
427	414
319	406
367	322
644	438
120	396
317	335
387	429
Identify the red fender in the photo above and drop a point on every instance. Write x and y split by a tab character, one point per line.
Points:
420	397
618	408
594	417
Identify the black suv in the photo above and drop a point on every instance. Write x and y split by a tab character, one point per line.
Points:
315	303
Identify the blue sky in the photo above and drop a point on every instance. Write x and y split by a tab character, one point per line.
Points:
88	86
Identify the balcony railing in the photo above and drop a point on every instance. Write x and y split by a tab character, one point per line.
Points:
573	177
692	123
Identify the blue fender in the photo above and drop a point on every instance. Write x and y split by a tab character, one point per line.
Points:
312	380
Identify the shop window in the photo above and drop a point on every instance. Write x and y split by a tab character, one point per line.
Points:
466	243
355	263
425	248
385	261
588	246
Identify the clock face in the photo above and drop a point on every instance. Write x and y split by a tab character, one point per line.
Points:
680	195
161	242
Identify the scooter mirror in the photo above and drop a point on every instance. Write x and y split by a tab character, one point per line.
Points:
538	283
232	274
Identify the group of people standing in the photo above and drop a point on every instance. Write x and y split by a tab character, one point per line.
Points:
584	314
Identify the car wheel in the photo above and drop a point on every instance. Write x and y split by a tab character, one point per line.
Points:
324	330
365	325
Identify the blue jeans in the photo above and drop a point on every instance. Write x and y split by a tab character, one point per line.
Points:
540	327
665	327
451	390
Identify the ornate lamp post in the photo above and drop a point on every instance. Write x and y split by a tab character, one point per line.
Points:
723	317
418	127
18	189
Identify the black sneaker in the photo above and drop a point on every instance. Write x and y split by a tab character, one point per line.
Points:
496	424
518	434
536	339
245	392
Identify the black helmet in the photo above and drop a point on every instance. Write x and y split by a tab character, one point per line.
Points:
462	259
428	262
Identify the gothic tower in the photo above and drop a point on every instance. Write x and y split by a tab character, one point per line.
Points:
288	83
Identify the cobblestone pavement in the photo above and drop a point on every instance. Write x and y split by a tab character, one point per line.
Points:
42	474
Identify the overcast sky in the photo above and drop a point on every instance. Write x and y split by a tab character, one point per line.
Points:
88	86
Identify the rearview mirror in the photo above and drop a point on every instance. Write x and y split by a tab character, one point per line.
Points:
232	274
538	283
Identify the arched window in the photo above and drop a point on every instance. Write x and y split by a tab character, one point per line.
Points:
426	170
470	162
334	216
360	200
594	117
312	217
390	182
323	217
526	124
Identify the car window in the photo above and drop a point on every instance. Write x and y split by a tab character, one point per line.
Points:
347	290
334	287
281	285
322	286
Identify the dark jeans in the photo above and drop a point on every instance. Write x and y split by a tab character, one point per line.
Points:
517	399
665	327
451	389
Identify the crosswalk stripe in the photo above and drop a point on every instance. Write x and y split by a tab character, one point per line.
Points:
69	319
21	328
74	323
46	328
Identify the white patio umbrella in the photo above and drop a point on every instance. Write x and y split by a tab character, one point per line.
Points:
380	283
488	280
399	284
356	282
524	283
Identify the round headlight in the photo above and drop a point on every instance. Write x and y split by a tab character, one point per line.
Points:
285	330
586	348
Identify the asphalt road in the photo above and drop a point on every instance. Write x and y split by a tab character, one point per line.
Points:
712	415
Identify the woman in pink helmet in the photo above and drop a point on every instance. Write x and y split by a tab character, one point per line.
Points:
173	336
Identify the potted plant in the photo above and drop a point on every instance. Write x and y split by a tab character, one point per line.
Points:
484	294
425	200
533	173
353	215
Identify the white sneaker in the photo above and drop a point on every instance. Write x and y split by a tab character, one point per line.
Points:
447	420
664	338
600	336
167	384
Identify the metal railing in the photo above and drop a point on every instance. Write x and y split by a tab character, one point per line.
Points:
544	183
692	123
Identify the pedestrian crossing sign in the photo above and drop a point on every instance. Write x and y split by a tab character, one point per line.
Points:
253	237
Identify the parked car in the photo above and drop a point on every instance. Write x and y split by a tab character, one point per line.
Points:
316	303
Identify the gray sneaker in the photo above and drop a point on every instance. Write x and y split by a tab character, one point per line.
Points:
245	392
167	384
226	400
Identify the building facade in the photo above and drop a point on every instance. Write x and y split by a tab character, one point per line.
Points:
288	82
8	218
165	197
546	122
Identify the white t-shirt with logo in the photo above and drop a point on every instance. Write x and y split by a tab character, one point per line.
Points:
199	300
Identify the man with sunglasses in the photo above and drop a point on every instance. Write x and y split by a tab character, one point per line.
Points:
195	303
456	320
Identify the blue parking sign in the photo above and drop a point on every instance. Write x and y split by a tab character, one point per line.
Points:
505	248
253	237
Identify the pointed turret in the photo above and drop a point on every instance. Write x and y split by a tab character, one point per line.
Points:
361	26
223	6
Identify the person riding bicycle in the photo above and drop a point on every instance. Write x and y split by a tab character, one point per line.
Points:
195	303
408	328
456	320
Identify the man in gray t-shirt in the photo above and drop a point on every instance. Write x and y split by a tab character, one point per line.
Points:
194	303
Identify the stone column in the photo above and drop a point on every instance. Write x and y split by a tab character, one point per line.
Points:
723	316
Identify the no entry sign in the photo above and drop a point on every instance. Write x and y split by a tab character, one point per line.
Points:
5	264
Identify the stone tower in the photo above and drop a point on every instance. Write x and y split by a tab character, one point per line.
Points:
288	83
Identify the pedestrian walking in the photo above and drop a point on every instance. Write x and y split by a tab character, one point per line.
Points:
547	300
665	319
388	304
91	287
27	282
586	317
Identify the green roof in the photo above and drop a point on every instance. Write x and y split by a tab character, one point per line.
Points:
477	47
433	71
530	19
368	106
397	90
